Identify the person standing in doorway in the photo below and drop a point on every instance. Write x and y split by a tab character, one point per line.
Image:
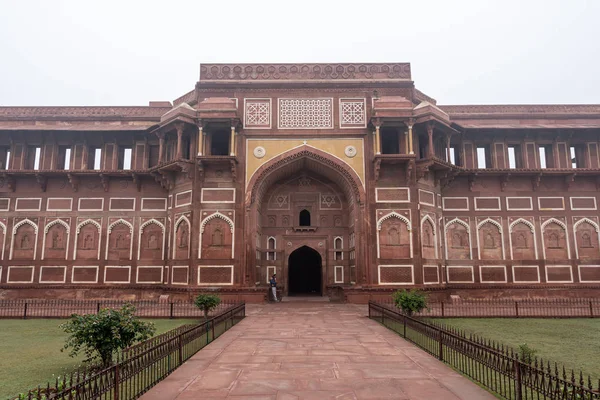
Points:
273	283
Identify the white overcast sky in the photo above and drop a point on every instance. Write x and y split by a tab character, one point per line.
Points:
462	52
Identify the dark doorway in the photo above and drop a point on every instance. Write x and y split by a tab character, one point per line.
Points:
304	218
304	270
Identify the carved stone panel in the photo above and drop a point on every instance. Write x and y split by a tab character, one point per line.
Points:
216	239
182	240
151	242
119	242
586	236
88	241
56	242
555	242
24	242
458	244
490	242
428	240
394	239
522	241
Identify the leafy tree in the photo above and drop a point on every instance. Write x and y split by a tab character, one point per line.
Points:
101	335
410	301
207	303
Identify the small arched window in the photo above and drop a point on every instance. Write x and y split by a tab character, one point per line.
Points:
338	245
304	218
271	244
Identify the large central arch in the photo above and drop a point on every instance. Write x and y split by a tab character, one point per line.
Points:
292	163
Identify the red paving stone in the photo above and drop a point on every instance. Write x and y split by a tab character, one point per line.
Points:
313	351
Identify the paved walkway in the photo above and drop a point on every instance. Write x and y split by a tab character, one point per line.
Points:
313	351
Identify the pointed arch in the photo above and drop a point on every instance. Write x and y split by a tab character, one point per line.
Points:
394	214
47	228
510	232
500	230
141	231
433	232
468	229
3	228
182	219
579	222
78	231
523	221
563	226
207	220
109	231
16	228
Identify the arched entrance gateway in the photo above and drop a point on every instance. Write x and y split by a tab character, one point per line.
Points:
304	222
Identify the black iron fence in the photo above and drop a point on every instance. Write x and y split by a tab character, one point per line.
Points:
48	308
506	308
142	366
498	368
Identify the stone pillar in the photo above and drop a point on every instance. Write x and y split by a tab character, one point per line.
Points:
410	139
232	142
448	149
377	140
431	152
179	128
161	147
200	141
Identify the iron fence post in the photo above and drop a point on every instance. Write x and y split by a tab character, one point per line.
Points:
517	309
116	383
518	386
370	309
213	328
591	310
441	335
171	311
98	308
180	345
25	311
442	308
404	323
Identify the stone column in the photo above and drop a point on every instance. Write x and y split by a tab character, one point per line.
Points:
179	128
232	142
431	151
200	140
377	140
161	147
410	139
448	148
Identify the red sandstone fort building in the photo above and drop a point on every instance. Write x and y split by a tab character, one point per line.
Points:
344	179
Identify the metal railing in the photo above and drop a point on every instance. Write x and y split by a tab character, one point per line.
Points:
48	308
506	308
496	367
142	366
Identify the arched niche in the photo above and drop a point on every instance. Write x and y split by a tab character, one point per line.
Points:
216	237
522	240
458	240
489	235
24	241
56	240
119	245
428	238
151	241
87	240
586	237
394	237
556	242
181	243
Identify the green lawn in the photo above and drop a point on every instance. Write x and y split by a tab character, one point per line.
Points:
30	352
572	342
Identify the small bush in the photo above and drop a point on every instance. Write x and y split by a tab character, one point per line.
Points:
527	353
101	335
410	301
207	303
